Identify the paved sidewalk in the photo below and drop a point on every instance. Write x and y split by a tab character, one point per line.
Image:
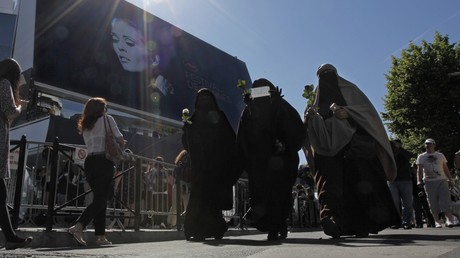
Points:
416	243
60	238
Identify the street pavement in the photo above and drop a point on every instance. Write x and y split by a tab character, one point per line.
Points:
424	242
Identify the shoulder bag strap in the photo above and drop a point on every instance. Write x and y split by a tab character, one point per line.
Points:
108	122
105	125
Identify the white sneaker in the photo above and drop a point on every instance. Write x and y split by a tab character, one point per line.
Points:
102	241
77	233
450	224
437	225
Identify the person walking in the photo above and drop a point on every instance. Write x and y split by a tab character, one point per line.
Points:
158	185
10	108
457	160
182	181
420	202
353	159
93	125
270	134
210	140
401	187
434	175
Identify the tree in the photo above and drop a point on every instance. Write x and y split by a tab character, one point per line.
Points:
423	99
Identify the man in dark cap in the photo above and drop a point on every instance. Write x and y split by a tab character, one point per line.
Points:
353	159
270	134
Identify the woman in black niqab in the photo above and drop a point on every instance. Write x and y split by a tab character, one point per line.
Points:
270	135
329	93
210	140
350	157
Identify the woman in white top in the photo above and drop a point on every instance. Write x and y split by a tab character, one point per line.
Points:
98	169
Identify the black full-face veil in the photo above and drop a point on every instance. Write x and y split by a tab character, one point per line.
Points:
205	101
261	108
328	91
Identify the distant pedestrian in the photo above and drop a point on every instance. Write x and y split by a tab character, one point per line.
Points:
158	185
420	203
10	108
434	175
401	187
183	178
457	160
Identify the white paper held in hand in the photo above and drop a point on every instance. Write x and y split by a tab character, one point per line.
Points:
260	92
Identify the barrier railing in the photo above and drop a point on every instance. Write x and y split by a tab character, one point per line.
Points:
48	187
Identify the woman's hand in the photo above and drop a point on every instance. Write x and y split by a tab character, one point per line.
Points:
341	113
24	104
122	142
311	111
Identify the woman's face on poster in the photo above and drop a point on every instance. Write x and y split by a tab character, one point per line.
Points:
129	45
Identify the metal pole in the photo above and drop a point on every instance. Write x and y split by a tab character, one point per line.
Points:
19	179
52	185
178	202
137	197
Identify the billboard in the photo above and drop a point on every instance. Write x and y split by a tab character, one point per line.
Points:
7	27
118	51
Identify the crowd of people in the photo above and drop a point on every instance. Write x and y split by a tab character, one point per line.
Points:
364	182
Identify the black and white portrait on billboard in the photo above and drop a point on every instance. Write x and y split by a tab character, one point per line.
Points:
121	52
142	48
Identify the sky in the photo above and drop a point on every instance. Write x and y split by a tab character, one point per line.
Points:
286	41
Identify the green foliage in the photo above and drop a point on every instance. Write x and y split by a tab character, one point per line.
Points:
309	93
186	116
241	84
423	99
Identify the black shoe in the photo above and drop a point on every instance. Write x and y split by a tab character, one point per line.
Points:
362	234
330	227
146	225
407	226
16	245
395	226
273	236
419	226
198	239
283	234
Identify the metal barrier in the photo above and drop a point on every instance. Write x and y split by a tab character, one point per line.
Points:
48	187
305	209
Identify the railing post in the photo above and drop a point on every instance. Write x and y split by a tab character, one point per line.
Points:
52	185
19	179
178	202
137	195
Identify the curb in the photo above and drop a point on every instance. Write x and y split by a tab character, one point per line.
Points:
60	237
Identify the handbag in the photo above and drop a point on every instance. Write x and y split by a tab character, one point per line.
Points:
113	148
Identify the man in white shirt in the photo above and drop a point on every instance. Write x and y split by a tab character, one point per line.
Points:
433	171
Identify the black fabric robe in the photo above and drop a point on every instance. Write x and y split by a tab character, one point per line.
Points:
270	134
211	142
351	179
